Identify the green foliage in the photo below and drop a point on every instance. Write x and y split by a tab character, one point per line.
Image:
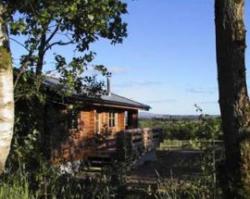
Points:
85	20
28	89
203	128
48	23
178	189
71	79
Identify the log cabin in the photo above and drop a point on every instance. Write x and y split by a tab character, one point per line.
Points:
81	126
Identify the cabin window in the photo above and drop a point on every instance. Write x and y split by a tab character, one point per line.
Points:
97	122
73	119
111	119
126	118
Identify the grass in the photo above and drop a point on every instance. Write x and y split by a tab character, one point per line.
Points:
171	144
17	188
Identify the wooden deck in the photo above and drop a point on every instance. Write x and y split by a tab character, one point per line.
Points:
101	151
129	143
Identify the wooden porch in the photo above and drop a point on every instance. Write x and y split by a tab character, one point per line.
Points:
129	144
103	150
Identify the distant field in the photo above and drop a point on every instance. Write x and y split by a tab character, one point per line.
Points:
200	128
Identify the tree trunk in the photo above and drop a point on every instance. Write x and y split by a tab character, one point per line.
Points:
6	93
233	96
41	54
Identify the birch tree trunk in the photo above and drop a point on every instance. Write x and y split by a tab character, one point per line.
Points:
233	96
6	93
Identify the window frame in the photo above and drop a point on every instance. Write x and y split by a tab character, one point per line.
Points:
97	122
73	119
111	119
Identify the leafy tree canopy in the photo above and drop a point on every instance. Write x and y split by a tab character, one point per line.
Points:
48	23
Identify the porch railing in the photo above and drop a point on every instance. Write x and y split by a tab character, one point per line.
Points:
128	143
143	140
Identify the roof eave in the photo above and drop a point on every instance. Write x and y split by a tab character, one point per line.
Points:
103	102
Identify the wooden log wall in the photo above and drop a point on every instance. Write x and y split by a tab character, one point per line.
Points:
74	144
87	121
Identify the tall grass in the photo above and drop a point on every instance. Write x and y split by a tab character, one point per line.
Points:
15	188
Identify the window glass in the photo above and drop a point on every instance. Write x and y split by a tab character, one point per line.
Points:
97	124
111	119
73	119
126	118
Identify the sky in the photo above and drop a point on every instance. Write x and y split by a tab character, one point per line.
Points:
168	60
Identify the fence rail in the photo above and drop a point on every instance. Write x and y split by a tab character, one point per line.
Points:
143	140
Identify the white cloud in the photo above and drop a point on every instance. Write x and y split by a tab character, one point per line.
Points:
161	101
201	90
118	69
137	84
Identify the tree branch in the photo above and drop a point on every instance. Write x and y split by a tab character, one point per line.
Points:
41	53
60	43
52	34
22	69
19	43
